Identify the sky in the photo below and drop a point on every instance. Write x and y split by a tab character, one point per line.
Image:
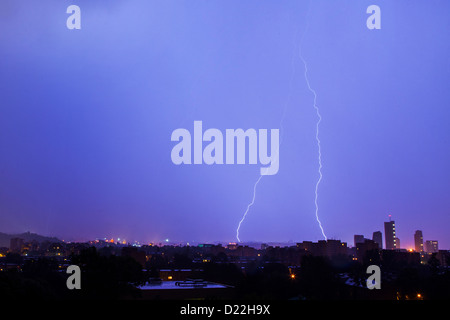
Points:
86	118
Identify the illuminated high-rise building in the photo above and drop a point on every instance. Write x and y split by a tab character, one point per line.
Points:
418	241
389	235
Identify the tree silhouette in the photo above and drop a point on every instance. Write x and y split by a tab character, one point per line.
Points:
107	277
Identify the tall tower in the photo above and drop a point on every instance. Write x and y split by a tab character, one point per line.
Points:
389	234
418	241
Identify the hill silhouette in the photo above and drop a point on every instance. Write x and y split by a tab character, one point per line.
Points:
26	236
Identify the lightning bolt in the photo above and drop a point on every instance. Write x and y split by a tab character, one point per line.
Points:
319	119
318	145
248	208
281	141
319	180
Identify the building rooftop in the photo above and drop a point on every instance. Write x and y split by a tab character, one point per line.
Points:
182	285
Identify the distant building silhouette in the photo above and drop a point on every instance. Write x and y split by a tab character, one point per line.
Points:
334	247
444	257
327	248
363	247
389	233
358	238
431	246
378	238
418	241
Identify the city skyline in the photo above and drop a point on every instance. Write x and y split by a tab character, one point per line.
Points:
418	241
86	119
234	266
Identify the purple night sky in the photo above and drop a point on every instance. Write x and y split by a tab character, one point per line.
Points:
86	118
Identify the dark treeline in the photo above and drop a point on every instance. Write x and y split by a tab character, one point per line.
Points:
106	275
